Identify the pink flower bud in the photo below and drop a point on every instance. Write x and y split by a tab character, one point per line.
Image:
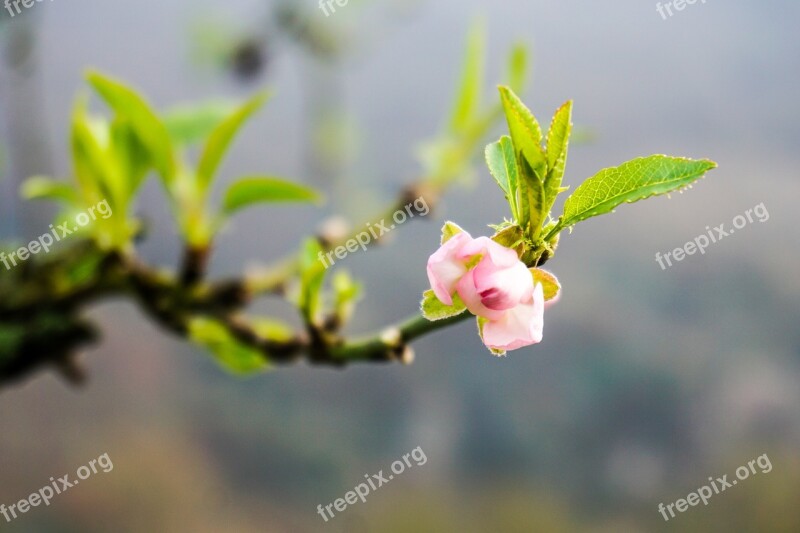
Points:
494	284
499	281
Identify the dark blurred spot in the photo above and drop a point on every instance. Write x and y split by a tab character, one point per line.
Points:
248	59
19	47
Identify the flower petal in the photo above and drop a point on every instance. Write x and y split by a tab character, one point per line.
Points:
500	255
469	295
502	288
517	327
445	267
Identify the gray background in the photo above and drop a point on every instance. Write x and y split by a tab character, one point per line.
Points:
648	381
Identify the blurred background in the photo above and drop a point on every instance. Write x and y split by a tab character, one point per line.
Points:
648	380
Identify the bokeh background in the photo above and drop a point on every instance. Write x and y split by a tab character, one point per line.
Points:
648	381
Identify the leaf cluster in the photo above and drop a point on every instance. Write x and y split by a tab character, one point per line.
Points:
529	168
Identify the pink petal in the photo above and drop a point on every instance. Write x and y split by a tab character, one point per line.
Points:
517	327
499	255
469	295
445	267
502	288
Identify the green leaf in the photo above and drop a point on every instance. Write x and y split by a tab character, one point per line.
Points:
526	134
516	75
557	147
632	181
193	123
526	138
229	353
450	230
312	275
271	329
511	237
91	164
550	284
85	270
433	309
130	154
257	189
469	94
44	188
482	322
12	336
346	293
221	138
148	127
503	166
531	201
517	68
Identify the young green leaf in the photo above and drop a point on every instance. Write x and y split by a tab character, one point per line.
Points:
433	309
151	131
44	188
503	167
557	147
221	138
517	68
526	134
530	201
450	230
522	124
469	95
271	329
632	181
510	236
193	123
132	157
91	165
346	292
256	189
229	353
312	275
550	284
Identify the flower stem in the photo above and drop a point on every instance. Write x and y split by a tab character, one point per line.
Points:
391	343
